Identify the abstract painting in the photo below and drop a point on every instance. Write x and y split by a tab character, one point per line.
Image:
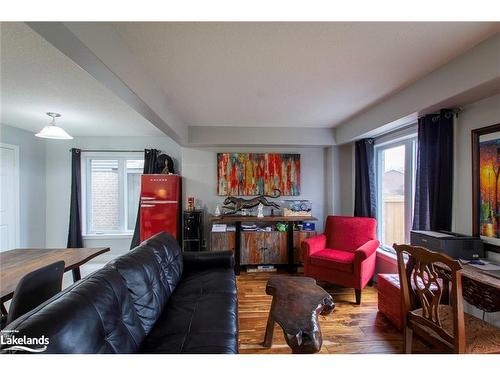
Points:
256	174
489	184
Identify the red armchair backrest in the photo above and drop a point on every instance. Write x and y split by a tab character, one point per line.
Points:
349	233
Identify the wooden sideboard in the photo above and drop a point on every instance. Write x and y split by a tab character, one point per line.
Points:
262	247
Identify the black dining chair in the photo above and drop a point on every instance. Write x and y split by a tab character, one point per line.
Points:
35	288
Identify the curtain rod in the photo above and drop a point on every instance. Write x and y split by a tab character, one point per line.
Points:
454	111
109	150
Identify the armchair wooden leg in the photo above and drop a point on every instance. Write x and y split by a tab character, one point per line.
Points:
408	340
358	296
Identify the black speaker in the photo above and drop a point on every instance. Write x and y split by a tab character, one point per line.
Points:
193	230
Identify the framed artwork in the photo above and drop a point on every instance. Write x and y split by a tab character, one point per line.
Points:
256	174
486	185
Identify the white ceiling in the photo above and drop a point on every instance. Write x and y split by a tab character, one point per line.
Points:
230	74
291	74
37	78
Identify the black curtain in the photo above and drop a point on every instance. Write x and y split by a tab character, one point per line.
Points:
75	219
434	185
151	166
365	199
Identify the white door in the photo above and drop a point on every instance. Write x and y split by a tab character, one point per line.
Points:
9	197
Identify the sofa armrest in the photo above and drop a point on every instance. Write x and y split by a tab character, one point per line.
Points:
201	260
366	251
314	244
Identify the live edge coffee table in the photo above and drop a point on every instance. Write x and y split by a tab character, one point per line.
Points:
297	301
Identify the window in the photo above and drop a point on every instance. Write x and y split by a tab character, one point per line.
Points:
111	188
395	168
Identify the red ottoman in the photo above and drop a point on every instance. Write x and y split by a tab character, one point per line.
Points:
389	297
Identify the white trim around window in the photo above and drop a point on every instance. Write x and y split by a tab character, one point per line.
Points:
408	139
121	159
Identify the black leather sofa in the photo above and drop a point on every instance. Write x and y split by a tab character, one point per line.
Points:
154	299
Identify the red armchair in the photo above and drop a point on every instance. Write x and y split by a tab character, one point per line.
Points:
345	254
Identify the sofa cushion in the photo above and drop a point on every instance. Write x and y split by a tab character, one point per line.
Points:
201	316
151	272
349	233
334	259
95	315
214	280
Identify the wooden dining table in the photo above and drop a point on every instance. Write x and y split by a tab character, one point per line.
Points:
16	263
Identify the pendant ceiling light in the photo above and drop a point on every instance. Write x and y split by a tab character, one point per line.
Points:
52	131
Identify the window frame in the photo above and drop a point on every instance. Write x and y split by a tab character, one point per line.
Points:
409	141
122	158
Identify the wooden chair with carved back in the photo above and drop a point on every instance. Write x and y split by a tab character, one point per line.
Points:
426	278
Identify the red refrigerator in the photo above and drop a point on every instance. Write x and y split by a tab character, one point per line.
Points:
160	205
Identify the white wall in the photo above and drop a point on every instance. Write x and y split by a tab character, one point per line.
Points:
477	115
199	170
339	176
58	175
345	177
31	184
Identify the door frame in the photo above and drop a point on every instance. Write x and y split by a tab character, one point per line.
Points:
17	209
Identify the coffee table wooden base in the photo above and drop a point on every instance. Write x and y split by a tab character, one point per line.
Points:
297	301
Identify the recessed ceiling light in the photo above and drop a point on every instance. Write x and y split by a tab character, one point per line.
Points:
52	131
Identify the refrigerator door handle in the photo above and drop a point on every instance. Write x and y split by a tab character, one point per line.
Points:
162	202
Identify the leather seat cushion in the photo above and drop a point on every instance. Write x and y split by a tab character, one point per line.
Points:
480	336
334	259
95	315
151	272
200	317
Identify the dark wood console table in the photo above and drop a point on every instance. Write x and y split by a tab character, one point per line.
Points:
238	220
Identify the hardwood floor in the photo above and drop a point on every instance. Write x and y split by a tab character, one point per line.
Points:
350	328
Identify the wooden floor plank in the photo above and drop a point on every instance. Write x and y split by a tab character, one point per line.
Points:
350	328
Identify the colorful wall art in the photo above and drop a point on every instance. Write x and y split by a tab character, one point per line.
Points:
489	184
256	174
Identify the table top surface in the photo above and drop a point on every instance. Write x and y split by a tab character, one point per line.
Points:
235	218
297	299
476	274
16	263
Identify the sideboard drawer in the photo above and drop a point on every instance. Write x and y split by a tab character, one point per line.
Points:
220	241
263	248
